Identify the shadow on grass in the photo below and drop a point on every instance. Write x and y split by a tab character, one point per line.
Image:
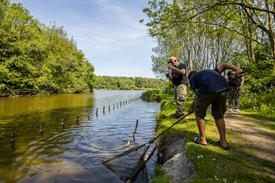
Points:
215	164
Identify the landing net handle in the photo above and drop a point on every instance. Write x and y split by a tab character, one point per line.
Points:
145	157
149	142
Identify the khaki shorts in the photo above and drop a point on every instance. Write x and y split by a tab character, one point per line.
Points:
218	102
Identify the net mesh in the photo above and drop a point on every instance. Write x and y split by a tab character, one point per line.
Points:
130	165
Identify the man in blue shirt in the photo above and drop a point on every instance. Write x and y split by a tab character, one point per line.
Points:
178	76
210	88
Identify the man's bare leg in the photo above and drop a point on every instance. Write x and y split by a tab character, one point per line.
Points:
201	127
221	128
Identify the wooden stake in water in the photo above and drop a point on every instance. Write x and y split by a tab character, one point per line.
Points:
96	112
41	130
103	110
109	108
89	117
13	137
63	123
135	131
77	119
114	107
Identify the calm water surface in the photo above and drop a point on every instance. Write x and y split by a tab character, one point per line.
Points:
71	152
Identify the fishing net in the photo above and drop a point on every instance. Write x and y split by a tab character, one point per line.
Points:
129	164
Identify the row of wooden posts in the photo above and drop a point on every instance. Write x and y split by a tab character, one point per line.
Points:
114	106
104	108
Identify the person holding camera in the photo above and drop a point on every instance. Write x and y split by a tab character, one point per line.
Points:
235	84
210	88
177	74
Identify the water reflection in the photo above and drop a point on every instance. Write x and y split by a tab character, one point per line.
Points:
24	115
71	152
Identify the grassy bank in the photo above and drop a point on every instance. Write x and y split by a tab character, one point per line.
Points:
213	164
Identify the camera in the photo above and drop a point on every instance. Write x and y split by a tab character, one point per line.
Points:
169	73
169	61
234	75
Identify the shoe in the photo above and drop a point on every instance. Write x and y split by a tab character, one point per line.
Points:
223	147
230	110
237	110
197	141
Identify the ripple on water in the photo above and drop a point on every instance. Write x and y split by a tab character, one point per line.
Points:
75	153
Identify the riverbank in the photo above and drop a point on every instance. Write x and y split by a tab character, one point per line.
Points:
250	158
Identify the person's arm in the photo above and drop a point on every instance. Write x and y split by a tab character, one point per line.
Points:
225	66
180	71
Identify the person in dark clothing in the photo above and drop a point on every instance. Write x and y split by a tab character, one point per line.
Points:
210	88
235	84
178	77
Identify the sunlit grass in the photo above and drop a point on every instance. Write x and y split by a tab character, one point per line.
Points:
213	164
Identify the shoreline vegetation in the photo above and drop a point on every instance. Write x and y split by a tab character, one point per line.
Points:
127	83
35	58
213	164
99	82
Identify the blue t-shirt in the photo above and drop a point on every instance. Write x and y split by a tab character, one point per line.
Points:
208	81
178	78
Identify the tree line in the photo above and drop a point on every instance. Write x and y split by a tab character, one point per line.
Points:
127	83
205	33
35	58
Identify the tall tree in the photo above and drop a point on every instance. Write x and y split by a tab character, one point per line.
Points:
205	33
35	58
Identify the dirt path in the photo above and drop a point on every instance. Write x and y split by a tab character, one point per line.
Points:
255	137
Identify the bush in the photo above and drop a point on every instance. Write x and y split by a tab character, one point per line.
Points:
152	95
258	92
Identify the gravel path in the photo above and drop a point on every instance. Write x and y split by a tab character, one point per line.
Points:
255	136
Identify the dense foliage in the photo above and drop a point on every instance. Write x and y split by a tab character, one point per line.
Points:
205	33
127	83
259	89
152	95
35	58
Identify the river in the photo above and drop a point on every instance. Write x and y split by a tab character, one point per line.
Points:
63	138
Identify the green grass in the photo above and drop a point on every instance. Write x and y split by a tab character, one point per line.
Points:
260	118
212	163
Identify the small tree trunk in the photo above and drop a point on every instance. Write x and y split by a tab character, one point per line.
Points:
271	36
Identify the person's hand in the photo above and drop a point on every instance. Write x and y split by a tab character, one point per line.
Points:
170	66
238	72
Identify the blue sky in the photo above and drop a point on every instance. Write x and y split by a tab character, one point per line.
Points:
107	31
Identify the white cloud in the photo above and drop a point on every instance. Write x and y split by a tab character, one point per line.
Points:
103	30
116	25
